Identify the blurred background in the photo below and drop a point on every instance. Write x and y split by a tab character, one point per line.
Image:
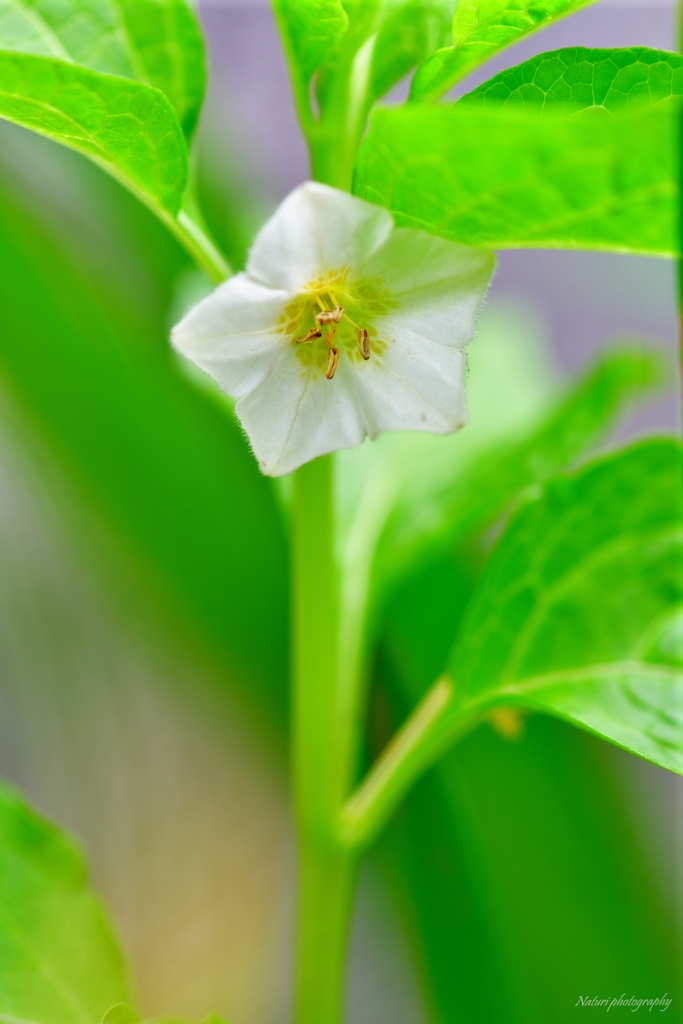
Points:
114	719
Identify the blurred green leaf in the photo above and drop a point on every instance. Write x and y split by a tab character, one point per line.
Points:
122	1013
311	29
162	461
211	1018
408	32
517	870
445	501
480	29
575	599
522	883
349	55
561	182
158	42
59	961
616	81
126	127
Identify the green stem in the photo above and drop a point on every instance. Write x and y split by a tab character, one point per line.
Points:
428	731
315	612
334	138
327	878
354	614
197	243
325	722
326	869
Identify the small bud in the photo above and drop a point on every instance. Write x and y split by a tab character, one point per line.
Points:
364	343
330	316
314	332
332	361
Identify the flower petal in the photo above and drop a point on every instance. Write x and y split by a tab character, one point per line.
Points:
437	284
233	333
292	416
417	384
315	230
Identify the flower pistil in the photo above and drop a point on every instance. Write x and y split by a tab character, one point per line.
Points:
321	303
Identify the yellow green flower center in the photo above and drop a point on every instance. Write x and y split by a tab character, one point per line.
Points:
333	318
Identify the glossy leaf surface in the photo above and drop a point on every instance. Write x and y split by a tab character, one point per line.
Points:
480	29
552	182
59	961
126	127
155	41
616	81
578	611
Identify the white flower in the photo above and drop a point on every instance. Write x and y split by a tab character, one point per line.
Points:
342	326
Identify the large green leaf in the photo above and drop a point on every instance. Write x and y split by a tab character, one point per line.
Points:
155	41
128	128
578	612
59	961
161	461
616	81
480	29
516	870
507	179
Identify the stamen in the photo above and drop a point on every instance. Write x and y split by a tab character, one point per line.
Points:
332	362
364	343
330	316
314	332
331	332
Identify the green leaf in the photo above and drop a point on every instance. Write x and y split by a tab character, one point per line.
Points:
473	484
122	1013
343	57
211	1018
126	127
408	32
480	29
552	182
522	884
162	463
158	42
576	604
311	30
59	961
614	81
514	866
